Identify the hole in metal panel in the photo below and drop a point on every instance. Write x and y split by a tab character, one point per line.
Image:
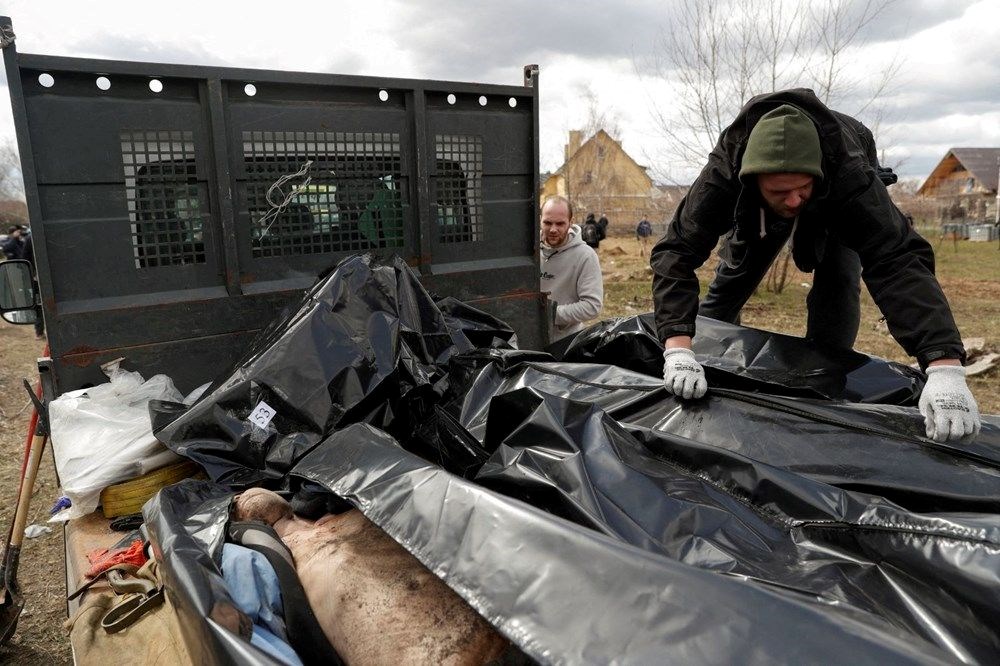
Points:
167	202
355	200
512	102
451	98
458	187
383	95
45	80
156	85
104	83
482	100
250	89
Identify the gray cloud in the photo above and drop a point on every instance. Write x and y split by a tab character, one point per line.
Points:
347	63
111	45
456	39
490	42
904	18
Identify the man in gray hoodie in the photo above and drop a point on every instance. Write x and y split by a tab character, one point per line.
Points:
570	270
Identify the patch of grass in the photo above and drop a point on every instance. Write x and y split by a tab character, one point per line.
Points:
969	276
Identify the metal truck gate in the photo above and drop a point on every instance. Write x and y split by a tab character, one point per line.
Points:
156	231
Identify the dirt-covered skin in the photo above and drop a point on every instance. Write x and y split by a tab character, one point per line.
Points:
375	602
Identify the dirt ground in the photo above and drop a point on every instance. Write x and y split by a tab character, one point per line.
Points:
970	277
40	638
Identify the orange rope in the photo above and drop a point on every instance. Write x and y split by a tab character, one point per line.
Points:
103	558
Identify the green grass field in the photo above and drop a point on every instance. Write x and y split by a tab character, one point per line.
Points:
969	274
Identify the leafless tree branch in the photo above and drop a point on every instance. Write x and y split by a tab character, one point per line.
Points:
716	55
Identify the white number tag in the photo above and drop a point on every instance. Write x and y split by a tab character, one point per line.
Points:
261	415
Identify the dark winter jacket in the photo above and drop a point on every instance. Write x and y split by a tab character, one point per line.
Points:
850	204
13	248
591	234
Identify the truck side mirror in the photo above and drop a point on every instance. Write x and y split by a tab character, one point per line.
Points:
17	292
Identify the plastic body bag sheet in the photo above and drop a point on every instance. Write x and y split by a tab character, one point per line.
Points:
850	506
749	359
562	593
367	344
585	513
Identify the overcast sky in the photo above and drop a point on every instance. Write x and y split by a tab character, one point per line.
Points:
947	91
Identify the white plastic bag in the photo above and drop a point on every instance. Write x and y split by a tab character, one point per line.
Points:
102	436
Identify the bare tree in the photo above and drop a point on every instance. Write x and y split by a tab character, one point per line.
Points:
837	26
11	185
717	55
599	115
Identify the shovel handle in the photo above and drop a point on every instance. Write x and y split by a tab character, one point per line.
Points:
27	483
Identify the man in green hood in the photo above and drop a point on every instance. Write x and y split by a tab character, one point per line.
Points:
789	167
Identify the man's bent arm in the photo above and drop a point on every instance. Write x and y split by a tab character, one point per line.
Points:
702	216
590	295
898	268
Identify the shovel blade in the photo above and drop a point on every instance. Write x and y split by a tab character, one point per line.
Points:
9	614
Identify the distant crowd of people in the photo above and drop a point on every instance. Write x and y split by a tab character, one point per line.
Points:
594	230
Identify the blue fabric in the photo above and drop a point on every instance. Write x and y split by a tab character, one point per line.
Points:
274	646
253	585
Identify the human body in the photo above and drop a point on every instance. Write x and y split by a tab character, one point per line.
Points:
789	167
643	231
373	600
590	232
19	245
570	270
13	246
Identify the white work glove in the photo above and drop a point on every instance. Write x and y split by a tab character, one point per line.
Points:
949	410
683	376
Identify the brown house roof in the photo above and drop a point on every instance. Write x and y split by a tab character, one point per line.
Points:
982	163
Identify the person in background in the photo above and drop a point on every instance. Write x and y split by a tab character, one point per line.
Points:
789	167
643	231
591	232
602	224
570	269
13	246
19	245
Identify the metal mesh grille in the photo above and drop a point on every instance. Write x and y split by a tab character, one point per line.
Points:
165	205
354	200
459	187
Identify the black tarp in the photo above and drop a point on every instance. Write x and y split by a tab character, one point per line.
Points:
367	344
752	360
587	514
